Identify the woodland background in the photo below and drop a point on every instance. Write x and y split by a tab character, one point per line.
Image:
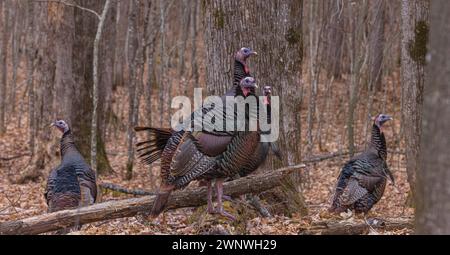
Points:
333	63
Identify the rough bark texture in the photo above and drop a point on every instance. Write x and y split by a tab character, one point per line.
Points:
130	207
433	178
4	18
414	42
335	40
81	114
376	42
95	87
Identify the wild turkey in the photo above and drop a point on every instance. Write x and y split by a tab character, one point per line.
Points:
195	155
362	180
151	150
72	183
260	149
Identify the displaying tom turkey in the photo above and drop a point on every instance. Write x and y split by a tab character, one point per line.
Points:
209	155
258	148
362	180
151	149
73	182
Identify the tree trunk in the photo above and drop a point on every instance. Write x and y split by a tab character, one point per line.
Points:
414	41
82	108
433	178
135	55
357	60
335	39
376	42
30	74
121	27
95	87
4	17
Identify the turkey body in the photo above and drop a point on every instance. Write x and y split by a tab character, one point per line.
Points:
72	183
152	149
362	180
204	155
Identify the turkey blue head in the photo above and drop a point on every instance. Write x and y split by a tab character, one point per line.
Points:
243	54
248	85
61	125
380	119
267	92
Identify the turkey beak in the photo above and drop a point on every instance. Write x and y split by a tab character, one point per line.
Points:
390	118
254	53
53	124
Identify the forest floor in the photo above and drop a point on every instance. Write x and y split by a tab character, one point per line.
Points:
23	200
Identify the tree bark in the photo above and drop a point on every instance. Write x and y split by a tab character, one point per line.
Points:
94	120
376	42
82	108
130	207
136	60
414	43
4	17
335	39
433	178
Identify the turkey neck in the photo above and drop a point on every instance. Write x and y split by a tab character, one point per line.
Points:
378	142
268	112
239	72
67	142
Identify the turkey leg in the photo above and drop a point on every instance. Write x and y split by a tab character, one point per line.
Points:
220	210
210	203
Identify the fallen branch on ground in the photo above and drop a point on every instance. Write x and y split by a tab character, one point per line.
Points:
319	158
115	187
356	228
130	207
14	157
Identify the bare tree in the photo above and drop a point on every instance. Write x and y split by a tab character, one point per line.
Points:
358	59
433	180
136	60
414	41
315	25
335	37
95	92
4	12
376	42
86	24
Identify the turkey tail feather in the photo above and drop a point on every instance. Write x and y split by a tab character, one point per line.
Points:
151	149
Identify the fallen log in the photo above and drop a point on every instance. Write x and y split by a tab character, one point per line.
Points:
357	227
189	197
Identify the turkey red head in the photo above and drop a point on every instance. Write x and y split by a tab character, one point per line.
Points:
248	85
267	92
61	125
380	119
